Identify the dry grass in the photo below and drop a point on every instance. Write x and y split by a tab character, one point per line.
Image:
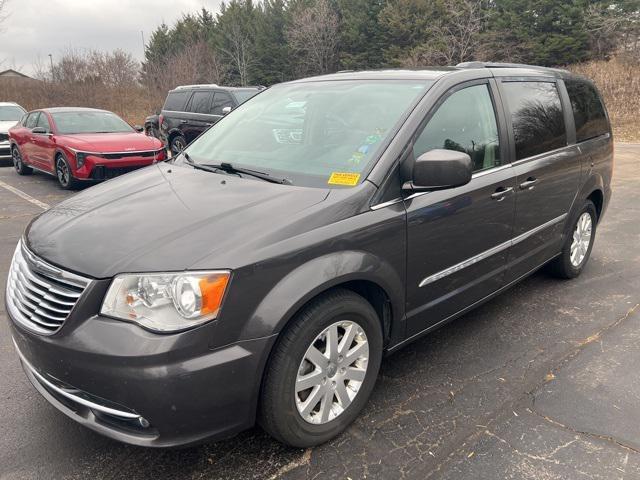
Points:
132	103
619	83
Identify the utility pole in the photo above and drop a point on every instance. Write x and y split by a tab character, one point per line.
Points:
144	46
51	61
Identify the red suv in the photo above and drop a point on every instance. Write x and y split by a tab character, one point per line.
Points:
77	144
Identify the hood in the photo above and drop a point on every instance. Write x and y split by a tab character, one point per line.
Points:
165	218
111	142
6	125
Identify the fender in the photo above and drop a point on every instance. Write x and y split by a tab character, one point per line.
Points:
594	182
310	279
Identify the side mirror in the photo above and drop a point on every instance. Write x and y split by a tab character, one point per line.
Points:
40	131
226	110
440	169
139	128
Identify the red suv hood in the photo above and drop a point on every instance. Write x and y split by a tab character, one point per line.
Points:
111	142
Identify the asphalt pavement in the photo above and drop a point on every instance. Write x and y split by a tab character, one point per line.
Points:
540	383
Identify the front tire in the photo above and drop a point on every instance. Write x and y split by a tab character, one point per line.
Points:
18	163
578	245
63	173
322	371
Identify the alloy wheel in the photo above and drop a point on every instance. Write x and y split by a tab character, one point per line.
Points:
178	146
17	160
331	372
581	239
62	171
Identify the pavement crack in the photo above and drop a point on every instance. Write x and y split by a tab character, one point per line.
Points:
598	436
582	345
305	459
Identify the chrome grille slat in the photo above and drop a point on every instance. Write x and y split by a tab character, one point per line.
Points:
23	282
41	301
48	286
41	296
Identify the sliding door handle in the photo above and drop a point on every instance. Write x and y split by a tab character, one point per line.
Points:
528	184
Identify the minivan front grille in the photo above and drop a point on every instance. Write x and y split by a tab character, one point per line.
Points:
40	296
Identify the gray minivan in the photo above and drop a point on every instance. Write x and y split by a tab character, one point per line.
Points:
264	272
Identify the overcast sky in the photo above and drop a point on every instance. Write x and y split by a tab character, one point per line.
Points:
36	28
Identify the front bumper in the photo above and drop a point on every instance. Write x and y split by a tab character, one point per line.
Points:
5	151
141	388
100	168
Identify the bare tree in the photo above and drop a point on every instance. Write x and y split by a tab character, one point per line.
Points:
313	35
453	39
3	12
239	48
612	30
198	62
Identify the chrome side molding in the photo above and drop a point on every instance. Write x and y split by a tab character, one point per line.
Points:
487	253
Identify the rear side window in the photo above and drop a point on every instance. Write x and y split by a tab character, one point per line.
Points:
201	102
176	100
465	122
536	116
588	111
221	100
32	120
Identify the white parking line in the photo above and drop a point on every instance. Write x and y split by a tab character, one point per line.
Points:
26	196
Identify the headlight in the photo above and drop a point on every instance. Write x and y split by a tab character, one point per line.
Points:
80	157
166	302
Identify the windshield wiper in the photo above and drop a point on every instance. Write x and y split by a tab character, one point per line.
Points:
228	168
197	165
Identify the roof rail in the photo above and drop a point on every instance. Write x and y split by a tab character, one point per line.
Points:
200	85
503	65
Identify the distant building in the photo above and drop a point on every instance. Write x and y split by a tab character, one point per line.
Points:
13	74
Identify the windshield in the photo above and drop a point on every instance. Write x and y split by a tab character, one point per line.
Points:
10	113
90	122
315	134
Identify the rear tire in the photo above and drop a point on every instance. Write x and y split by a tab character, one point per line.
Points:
304	416
578	244
178	143
63	173
18	164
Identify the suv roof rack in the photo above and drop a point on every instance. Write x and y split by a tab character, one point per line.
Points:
504	65
200	85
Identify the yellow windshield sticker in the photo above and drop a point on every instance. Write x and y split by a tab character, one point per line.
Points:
344	178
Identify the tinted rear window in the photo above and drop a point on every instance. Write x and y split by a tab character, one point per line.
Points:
176	100
588	111
244	95
201	102
536	115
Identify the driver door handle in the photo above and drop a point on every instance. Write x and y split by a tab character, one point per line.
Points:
501	193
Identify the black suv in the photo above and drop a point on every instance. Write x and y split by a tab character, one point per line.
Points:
264	272
190	109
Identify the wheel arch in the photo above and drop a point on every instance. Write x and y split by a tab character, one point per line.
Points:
361	272
592	188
